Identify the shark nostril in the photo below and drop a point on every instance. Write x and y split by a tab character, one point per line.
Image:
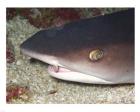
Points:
96	54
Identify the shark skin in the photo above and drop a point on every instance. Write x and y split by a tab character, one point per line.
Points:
67	49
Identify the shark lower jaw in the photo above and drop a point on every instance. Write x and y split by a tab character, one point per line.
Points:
66	74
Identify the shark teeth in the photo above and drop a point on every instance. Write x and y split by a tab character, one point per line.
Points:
57	69
54	68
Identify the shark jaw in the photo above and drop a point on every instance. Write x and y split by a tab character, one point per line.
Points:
66	74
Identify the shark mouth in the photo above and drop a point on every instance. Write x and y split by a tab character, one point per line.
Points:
57	69
66	74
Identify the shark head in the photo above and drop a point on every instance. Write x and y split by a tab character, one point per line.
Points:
99	50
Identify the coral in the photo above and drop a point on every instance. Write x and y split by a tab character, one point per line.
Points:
14	91
43	18
67	14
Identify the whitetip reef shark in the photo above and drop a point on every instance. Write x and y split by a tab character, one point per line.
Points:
97	50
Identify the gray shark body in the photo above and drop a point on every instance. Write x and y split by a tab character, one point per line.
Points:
67	49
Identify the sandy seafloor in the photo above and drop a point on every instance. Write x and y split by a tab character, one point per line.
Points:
35	76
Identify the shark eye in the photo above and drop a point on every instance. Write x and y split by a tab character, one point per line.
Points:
96	54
